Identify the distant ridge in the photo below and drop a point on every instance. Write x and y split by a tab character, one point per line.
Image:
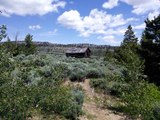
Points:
38	43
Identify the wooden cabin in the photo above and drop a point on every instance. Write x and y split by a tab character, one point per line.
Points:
79	52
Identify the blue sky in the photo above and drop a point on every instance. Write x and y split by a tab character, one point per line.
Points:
76	21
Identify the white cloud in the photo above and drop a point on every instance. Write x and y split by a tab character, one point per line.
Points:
97	22
143	6
132	19
105	26
109	39
69	21
117	31
139	6
53	32
49	33
139	27
34	27
153	14
110	4
30	7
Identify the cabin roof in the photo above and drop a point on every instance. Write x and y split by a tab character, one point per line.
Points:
77	50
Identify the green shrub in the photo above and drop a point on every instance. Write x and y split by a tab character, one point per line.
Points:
60	101
14	102
95	73
78	96
64	69
140	101
77	75
156	112
39	63
28	86
46	71
100	84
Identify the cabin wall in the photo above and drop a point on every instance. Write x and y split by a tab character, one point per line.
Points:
78	55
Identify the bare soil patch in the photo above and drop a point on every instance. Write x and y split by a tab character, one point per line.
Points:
92	111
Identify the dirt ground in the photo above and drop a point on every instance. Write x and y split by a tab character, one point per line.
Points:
91	109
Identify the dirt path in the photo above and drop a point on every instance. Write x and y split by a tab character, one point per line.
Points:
91	109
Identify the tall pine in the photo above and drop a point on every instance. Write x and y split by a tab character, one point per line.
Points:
129	37
128	56
150	45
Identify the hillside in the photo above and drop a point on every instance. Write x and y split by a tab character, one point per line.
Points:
47	47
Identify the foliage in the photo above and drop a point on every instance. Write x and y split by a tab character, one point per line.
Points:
100	84
27	86
30	48
150	51
95	73
3	33
78	96
141	100
129	37
60	101
132	63
77	74
28	40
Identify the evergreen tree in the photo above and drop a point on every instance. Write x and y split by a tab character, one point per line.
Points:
150	44
129	37
3	33
28	40
128	56
30	47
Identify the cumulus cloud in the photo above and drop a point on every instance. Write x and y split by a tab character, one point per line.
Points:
143	6
110	4
97	22
105	26
34	27
69	21
139	6
30	7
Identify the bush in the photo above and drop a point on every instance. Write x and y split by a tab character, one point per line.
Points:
25	87
100	84
141	100
95	73
78	96
77	75
14	102
64	69
46	71
156	112
39	63
60	101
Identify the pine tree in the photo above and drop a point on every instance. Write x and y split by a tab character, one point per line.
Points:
30	47
128	56
28	40
150	44
3	33
129	37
